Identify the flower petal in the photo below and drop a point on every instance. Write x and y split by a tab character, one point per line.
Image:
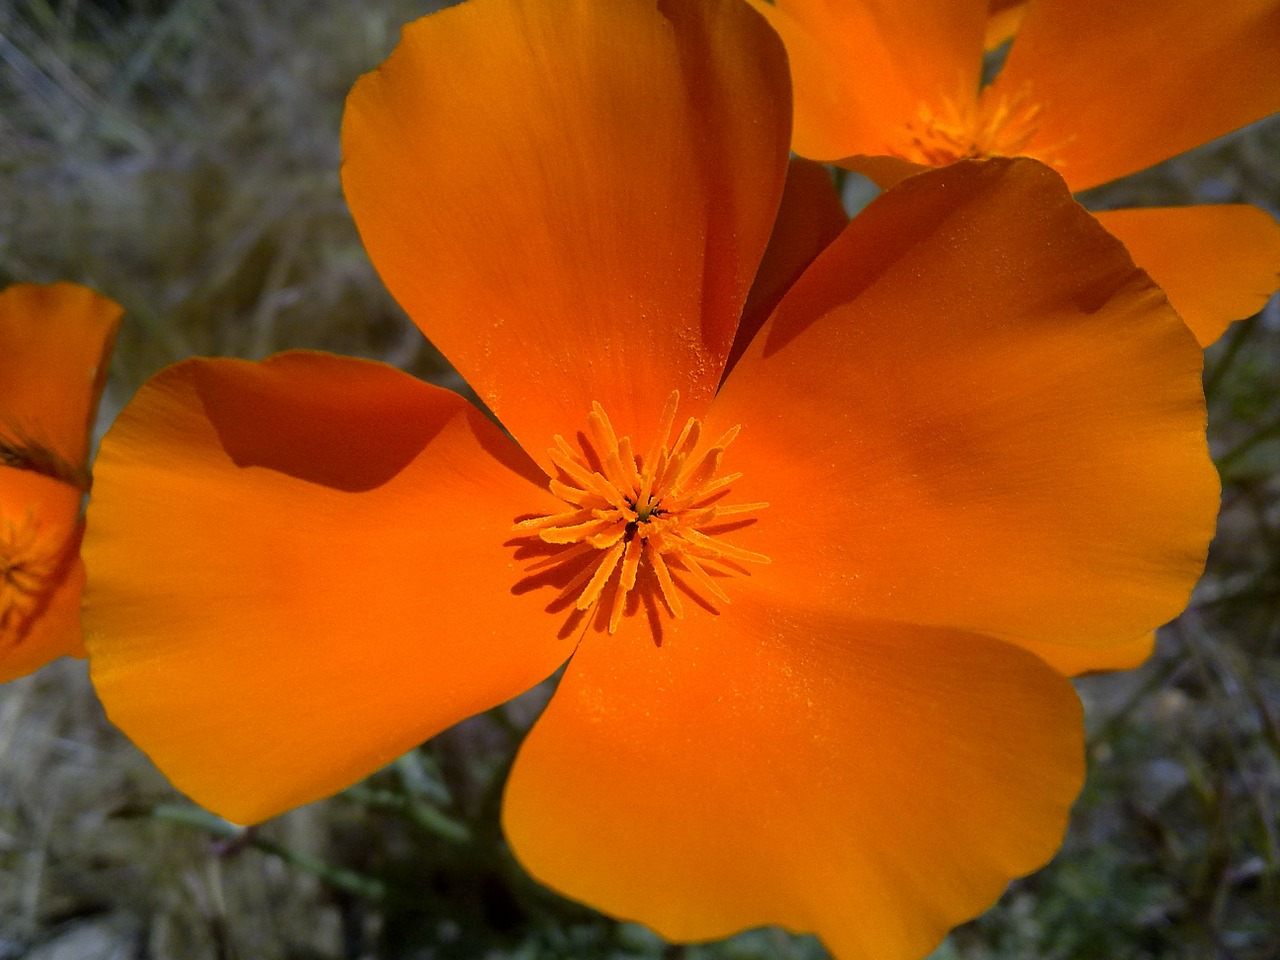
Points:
571	199
810	216
1126	85
1075	661
973	411
873	783
40	571
1216	263
863	68
298	572
55	342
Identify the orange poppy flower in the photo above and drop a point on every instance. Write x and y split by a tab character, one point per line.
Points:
793	603
54	345
1096	89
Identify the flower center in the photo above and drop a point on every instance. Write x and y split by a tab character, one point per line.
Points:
992	125
663	511
26	569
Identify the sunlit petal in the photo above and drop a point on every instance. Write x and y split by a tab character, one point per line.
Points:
973	411
873	783
298	572
54	345
1123	86
1216	263
569	199
862	69
1074	661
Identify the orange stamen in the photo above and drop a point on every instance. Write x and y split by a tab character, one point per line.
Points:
27	566
965	128
643	512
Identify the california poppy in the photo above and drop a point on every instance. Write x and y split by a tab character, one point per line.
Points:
54	345
1096	89
793	604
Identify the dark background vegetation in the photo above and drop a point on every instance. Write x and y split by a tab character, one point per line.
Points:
181	157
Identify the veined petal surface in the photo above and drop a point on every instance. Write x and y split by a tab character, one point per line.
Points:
973	411
862	68
873	783
1122	86
1216	263
298	572
55	342
571	199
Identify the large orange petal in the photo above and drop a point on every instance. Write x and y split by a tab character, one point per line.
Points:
297	572
810	216
571	198
1123	86
873	783
862	68
54	345
40	572
1216	263
973	411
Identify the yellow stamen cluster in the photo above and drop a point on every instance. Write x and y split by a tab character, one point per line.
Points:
991	126
27	567
654	509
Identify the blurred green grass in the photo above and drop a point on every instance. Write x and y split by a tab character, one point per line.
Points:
181	156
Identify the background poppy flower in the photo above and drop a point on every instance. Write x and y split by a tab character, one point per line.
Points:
54	345
303	567
1095	90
